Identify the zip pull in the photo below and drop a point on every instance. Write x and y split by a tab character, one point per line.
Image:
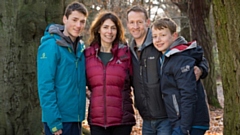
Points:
140	70
145	63
69	49
76	63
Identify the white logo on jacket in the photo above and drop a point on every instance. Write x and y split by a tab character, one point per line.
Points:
151	58
185	68
118	62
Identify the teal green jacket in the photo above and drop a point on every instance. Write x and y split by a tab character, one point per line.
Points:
61	78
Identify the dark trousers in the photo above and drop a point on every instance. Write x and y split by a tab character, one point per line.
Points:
113	130
69	128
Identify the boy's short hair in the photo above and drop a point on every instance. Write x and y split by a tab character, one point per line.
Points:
76	6
138	8
161	23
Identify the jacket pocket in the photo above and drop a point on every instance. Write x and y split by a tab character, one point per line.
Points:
175	104
172	107
150	70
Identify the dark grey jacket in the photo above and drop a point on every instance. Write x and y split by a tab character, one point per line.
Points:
146	86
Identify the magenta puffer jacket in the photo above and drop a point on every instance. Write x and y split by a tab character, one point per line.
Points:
111	99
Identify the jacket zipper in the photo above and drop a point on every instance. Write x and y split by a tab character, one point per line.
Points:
104	88
76	62
161	63
145	66
104	92
78	90
76	65
105	102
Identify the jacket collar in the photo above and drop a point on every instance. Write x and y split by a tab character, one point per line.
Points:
115	47
64	40
147	41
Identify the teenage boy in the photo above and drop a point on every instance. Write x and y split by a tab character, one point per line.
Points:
183	95
61	73
145	59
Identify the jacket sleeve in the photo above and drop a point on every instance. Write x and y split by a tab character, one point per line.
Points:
186	84
201	61
46	70
203	65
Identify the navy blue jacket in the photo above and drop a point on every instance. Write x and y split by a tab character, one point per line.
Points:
184	97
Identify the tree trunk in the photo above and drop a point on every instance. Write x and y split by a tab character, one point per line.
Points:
199	13
21	25
184	22
185	28
227	26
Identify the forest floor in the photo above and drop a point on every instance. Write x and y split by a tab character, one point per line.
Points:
216	120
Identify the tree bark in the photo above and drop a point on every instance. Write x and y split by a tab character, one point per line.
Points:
199	13
21	25
184	21
227	26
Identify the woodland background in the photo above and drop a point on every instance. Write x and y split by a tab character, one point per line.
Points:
213	23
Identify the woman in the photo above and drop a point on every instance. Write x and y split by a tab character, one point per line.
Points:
108	70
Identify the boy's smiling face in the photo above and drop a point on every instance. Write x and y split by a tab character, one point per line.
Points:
162	38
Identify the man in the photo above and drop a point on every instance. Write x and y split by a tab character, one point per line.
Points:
148	97
61	73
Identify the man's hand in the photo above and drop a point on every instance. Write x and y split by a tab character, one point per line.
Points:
59	132
198	72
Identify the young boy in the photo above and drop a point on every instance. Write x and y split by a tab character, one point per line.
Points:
61	73
183	95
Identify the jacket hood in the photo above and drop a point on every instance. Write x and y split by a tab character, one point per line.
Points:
191	49
56	29
178	41
180	45
61	39
148	40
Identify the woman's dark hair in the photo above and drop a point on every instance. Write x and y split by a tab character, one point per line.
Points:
98	22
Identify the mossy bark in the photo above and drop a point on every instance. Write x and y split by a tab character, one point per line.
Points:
22	24
227	26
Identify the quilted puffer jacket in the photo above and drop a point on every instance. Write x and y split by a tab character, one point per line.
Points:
110	102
